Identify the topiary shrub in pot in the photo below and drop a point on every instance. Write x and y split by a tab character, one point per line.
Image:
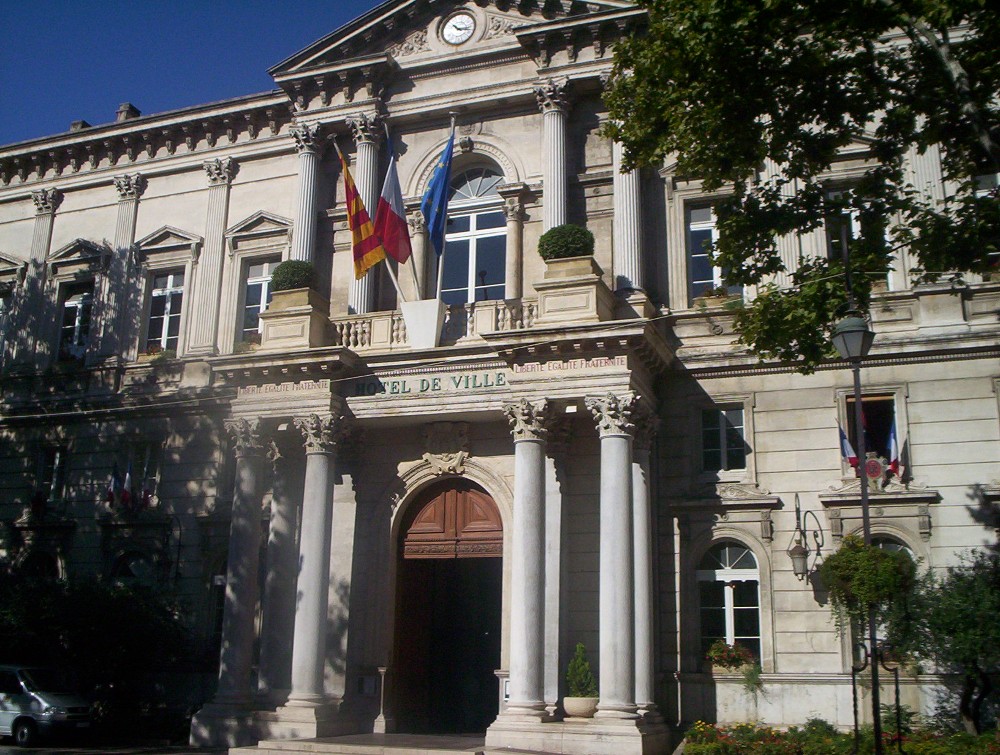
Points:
581	702
565	241
292	274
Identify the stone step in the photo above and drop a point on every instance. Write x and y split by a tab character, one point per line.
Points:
370	744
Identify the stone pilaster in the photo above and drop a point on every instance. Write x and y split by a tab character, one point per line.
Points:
552	101
513	207
527	607
29	316
555	663
366	129
627	248
110	327
617	608
321	434
418	242
309	145
208	273
646	425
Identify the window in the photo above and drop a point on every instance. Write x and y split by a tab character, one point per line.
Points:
75	333
475	239
843	224
723	445
165	302
51	473
729	597
256	297
988	187
878	417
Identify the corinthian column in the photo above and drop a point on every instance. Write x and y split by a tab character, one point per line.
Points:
309	145
617	607
646	424
513	208
365	129
241	567
309	640
527	606
208	273
418	243
29	316
110	326
627	262
552	102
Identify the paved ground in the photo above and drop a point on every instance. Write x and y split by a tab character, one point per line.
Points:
7	748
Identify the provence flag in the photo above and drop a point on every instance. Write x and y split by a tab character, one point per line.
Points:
368	249
434	205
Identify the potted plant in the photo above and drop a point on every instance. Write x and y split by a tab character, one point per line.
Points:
573	289
296	276
564	241
298	315
581	702
728	657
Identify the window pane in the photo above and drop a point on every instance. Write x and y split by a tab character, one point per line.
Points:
160	281
253	295
746	622
490	256
751	644
713	623
490	220
700	215
456	266
455	297
458	224
157	306
745	594
178	280
742	558
713	594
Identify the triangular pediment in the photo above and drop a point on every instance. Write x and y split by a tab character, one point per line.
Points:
405	28
261	223
168	237
8	263
81	248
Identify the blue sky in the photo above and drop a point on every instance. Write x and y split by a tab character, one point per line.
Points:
67	60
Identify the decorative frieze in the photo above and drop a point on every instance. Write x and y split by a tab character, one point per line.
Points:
614	414
46	200
414	43
130	186
246	435
221	171
529	420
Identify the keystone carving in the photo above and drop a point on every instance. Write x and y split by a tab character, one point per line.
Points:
246	436
614	414
47	200
130	186
221	170
529	419
322	434
447	445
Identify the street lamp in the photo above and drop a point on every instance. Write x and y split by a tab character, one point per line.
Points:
853	338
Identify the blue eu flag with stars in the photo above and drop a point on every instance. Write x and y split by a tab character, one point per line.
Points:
434	204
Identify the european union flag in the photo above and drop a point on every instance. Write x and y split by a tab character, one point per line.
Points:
434	204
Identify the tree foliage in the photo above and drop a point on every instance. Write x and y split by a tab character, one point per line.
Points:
760	99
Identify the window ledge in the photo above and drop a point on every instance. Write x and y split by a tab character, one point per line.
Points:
895	504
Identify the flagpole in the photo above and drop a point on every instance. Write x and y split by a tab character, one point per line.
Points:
392	276
440	275
413	272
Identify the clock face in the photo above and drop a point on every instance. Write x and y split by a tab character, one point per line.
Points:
458	28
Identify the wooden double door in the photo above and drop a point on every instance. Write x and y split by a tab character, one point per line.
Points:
448	611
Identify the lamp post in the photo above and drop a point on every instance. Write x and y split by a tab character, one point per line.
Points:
852	338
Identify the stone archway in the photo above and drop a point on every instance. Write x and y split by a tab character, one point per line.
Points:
448	610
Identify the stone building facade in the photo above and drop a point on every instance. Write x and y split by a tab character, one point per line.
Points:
377	537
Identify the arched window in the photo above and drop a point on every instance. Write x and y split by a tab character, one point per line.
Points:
729	597
475	238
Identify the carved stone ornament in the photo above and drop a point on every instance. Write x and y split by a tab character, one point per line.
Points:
447	445
130	186
308	137
46	200
414	43
646	426
513	209
613	413
246	436
529	420
365	127
221	170
322	434
498	26
551	95
417	222
740	491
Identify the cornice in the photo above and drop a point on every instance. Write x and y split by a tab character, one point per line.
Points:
572	35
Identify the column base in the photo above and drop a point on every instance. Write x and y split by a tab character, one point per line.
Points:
634	302
222	724
300	719
592	736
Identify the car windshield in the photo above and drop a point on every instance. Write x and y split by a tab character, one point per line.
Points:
56	681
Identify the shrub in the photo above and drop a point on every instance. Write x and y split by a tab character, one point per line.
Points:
565	241
293	274
579	677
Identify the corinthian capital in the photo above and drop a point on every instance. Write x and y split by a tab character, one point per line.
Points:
130	186
221	171
322	434
246	436
46	200
551	95
646	426
365	127
614	414
308	137
529	420
416	221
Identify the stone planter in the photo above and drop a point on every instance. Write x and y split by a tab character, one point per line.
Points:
573	291
295	319
580	707
423	319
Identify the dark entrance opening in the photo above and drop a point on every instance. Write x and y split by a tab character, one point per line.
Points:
449	612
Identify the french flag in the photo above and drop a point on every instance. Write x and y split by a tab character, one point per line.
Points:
126	493
847	450
894	465
114	486
390	217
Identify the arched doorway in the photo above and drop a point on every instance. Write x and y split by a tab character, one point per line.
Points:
448	611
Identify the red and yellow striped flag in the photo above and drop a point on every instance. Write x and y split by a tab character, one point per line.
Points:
368	249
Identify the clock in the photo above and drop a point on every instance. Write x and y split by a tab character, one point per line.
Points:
458	28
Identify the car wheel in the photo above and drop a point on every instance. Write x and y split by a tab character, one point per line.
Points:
25	734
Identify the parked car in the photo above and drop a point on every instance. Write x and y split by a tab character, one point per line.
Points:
40	702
